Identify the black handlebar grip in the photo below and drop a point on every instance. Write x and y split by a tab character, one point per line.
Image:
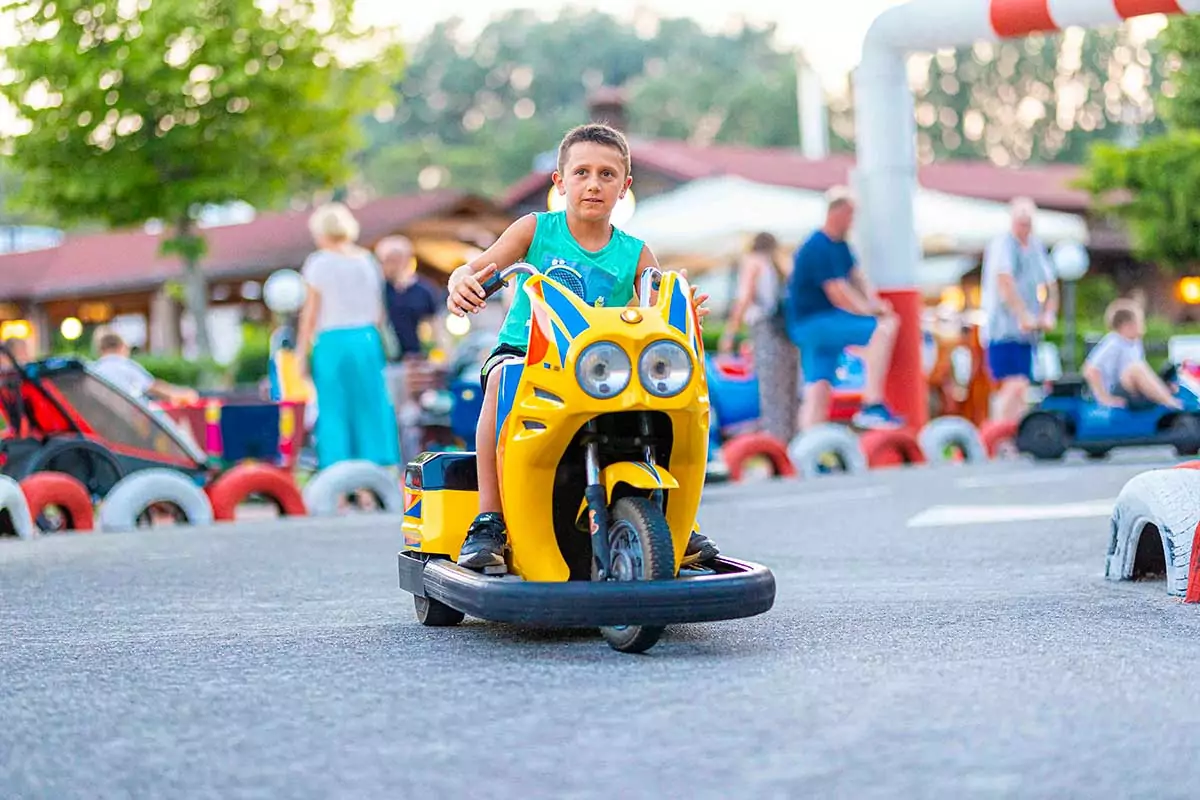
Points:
492	285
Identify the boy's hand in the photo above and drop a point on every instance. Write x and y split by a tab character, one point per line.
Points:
697	302
1048	322
466	291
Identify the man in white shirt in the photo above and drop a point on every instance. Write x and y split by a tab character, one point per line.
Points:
1019	298
115	366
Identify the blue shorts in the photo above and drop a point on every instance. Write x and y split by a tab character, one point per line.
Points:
1010	359
824	336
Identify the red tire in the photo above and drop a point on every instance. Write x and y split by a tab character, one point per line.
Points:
996	433
741	448
227	492
1188	465
1193	586
891	448
44	489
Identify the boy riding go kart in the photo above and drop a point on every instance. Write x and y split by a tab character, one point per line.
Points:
593	437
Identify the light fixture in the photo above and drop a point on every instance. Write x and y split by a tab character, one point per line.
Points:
71	328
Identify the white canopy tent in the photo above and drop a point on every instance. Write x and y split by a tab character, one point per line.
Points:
709	222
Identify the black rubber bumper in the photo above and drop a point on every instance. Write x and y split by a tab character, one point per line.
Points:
737	589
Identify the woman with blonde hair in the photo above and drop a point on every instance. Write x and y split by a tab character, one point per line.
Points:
340	320
762	279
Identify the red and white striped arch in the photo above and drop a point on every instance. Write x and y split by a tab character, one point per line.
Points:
1012	18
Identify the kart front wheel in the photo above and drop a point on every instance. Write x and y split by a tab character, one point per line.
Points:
1043	436
641	548
1185	430
435	613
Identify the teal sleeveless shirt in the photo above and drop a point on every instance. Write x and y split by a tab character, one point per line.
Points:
606	275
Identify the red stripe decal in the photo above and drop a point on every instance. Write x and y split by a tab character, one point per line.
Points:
1014	18
1136	8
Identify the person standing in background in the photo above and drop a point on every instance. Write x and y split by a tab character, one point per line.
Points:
761	283
340	322
1019	297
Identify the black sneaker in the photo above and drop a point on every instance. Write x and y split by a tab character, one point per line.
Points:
485	542
700	549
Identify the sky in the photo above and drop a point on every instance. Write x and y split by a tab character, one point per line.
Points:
832	47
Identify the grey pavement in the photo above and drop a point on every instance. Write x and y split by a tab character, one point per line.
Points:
983	659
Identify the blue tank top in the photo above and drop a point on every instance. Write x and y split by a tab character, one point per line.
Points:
603	277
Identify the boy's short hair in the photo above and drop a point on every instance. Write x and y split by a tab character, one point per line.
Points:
1122	312
109	341
596	133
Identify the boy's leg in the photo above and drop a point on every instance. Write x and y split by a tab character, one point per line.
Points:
486	538
1139	380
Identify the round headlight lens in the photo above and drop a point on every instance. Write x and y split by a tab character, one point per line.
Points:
665	368
603	370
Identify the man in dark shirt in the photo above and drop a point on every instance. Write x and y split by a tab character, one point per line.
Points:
832	306
409	300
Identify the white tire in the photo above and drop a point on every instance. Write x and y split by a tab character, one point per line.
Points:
137	491
1163	504
943	432
810	451
12	500
322	493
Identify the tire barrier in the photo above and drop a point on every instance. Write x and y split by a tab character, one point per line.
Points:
1154	528
14	504
944	433
67	493
136	492
1188	465
228	491
891	448
1193	587
997	434
740	449
322	493
827	449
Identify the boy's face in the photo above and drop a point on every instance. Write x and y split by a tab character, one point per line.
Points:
1131	330
593	180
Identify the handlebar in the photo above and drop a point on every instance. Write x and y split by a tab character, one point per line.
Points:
500	279
651	280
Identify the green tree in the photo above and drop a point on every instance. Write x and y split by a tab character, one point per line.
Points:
152	110
1152	187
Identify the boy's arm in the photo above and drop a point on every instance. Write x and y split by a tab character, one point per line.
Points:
466	282
173	393
1091	373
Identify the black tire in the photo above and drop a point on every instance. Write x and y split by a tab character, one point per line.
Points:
1096	455
435	613
638	532
1043	436
91	463
1185	430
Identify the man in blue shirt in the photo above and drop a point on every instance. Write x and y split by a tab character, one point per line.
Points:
408	298
831	306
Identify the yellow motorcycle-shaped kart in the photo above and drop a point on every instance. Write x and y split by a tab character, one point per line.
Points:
602	445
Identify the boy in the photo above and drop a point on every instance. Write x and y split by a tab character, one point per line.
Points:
1116	369
593	174
116	367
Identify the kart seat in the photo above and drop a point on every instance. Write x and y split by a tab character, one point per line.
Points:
448	471
1068	387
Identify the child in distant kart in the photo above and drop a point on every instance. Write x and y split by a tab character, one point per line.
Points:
1116	369
593	174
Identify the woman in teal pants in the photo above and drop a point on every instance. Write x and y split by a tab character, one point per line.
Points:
341	317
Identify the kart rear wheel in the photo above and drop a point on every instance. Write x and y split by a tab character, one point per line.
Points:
641	547
435	613
1043	436
1185	430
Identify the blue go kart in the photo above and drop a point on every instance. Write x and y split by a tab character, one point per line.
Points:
1070	418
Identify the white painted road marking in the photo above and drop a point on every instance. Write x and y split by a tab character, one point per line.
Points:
815	498
942	516
1032	478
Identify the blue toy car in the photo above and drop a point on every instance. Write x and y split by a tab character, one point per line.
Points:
1070	418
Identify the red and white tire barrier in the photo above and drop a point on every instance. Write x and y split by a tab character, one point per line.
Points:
998	435
944	435
827	449
233	487
1154	523
45	489
14	504
891	448
740	449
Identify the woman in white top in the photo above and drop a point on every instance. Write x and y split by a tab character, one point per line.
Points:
340	320
762	279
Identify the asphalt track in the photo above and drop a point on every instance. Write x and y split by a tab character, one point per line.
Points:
914	651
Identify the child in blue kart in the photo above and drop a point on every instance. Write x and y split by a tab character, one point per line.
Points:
593	174
1116	369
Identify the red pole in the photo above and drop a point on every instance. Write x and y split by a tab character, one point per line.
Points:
905	391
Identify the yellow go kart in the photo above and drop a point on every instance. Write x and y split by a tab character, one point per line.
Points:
602	445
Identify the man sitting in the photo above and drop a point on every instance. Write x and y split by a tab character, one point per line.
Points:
833	306
1116	369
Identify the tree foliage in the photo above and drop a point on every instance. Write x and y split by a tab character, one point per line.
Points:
140	110
1153	187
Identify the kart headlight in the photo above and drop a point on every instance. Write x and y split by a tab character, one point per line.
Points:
665	368
603	370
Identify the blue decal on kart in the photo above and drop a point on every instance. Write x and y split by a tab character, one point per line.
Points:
562	343
562	307
510	377
677	315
